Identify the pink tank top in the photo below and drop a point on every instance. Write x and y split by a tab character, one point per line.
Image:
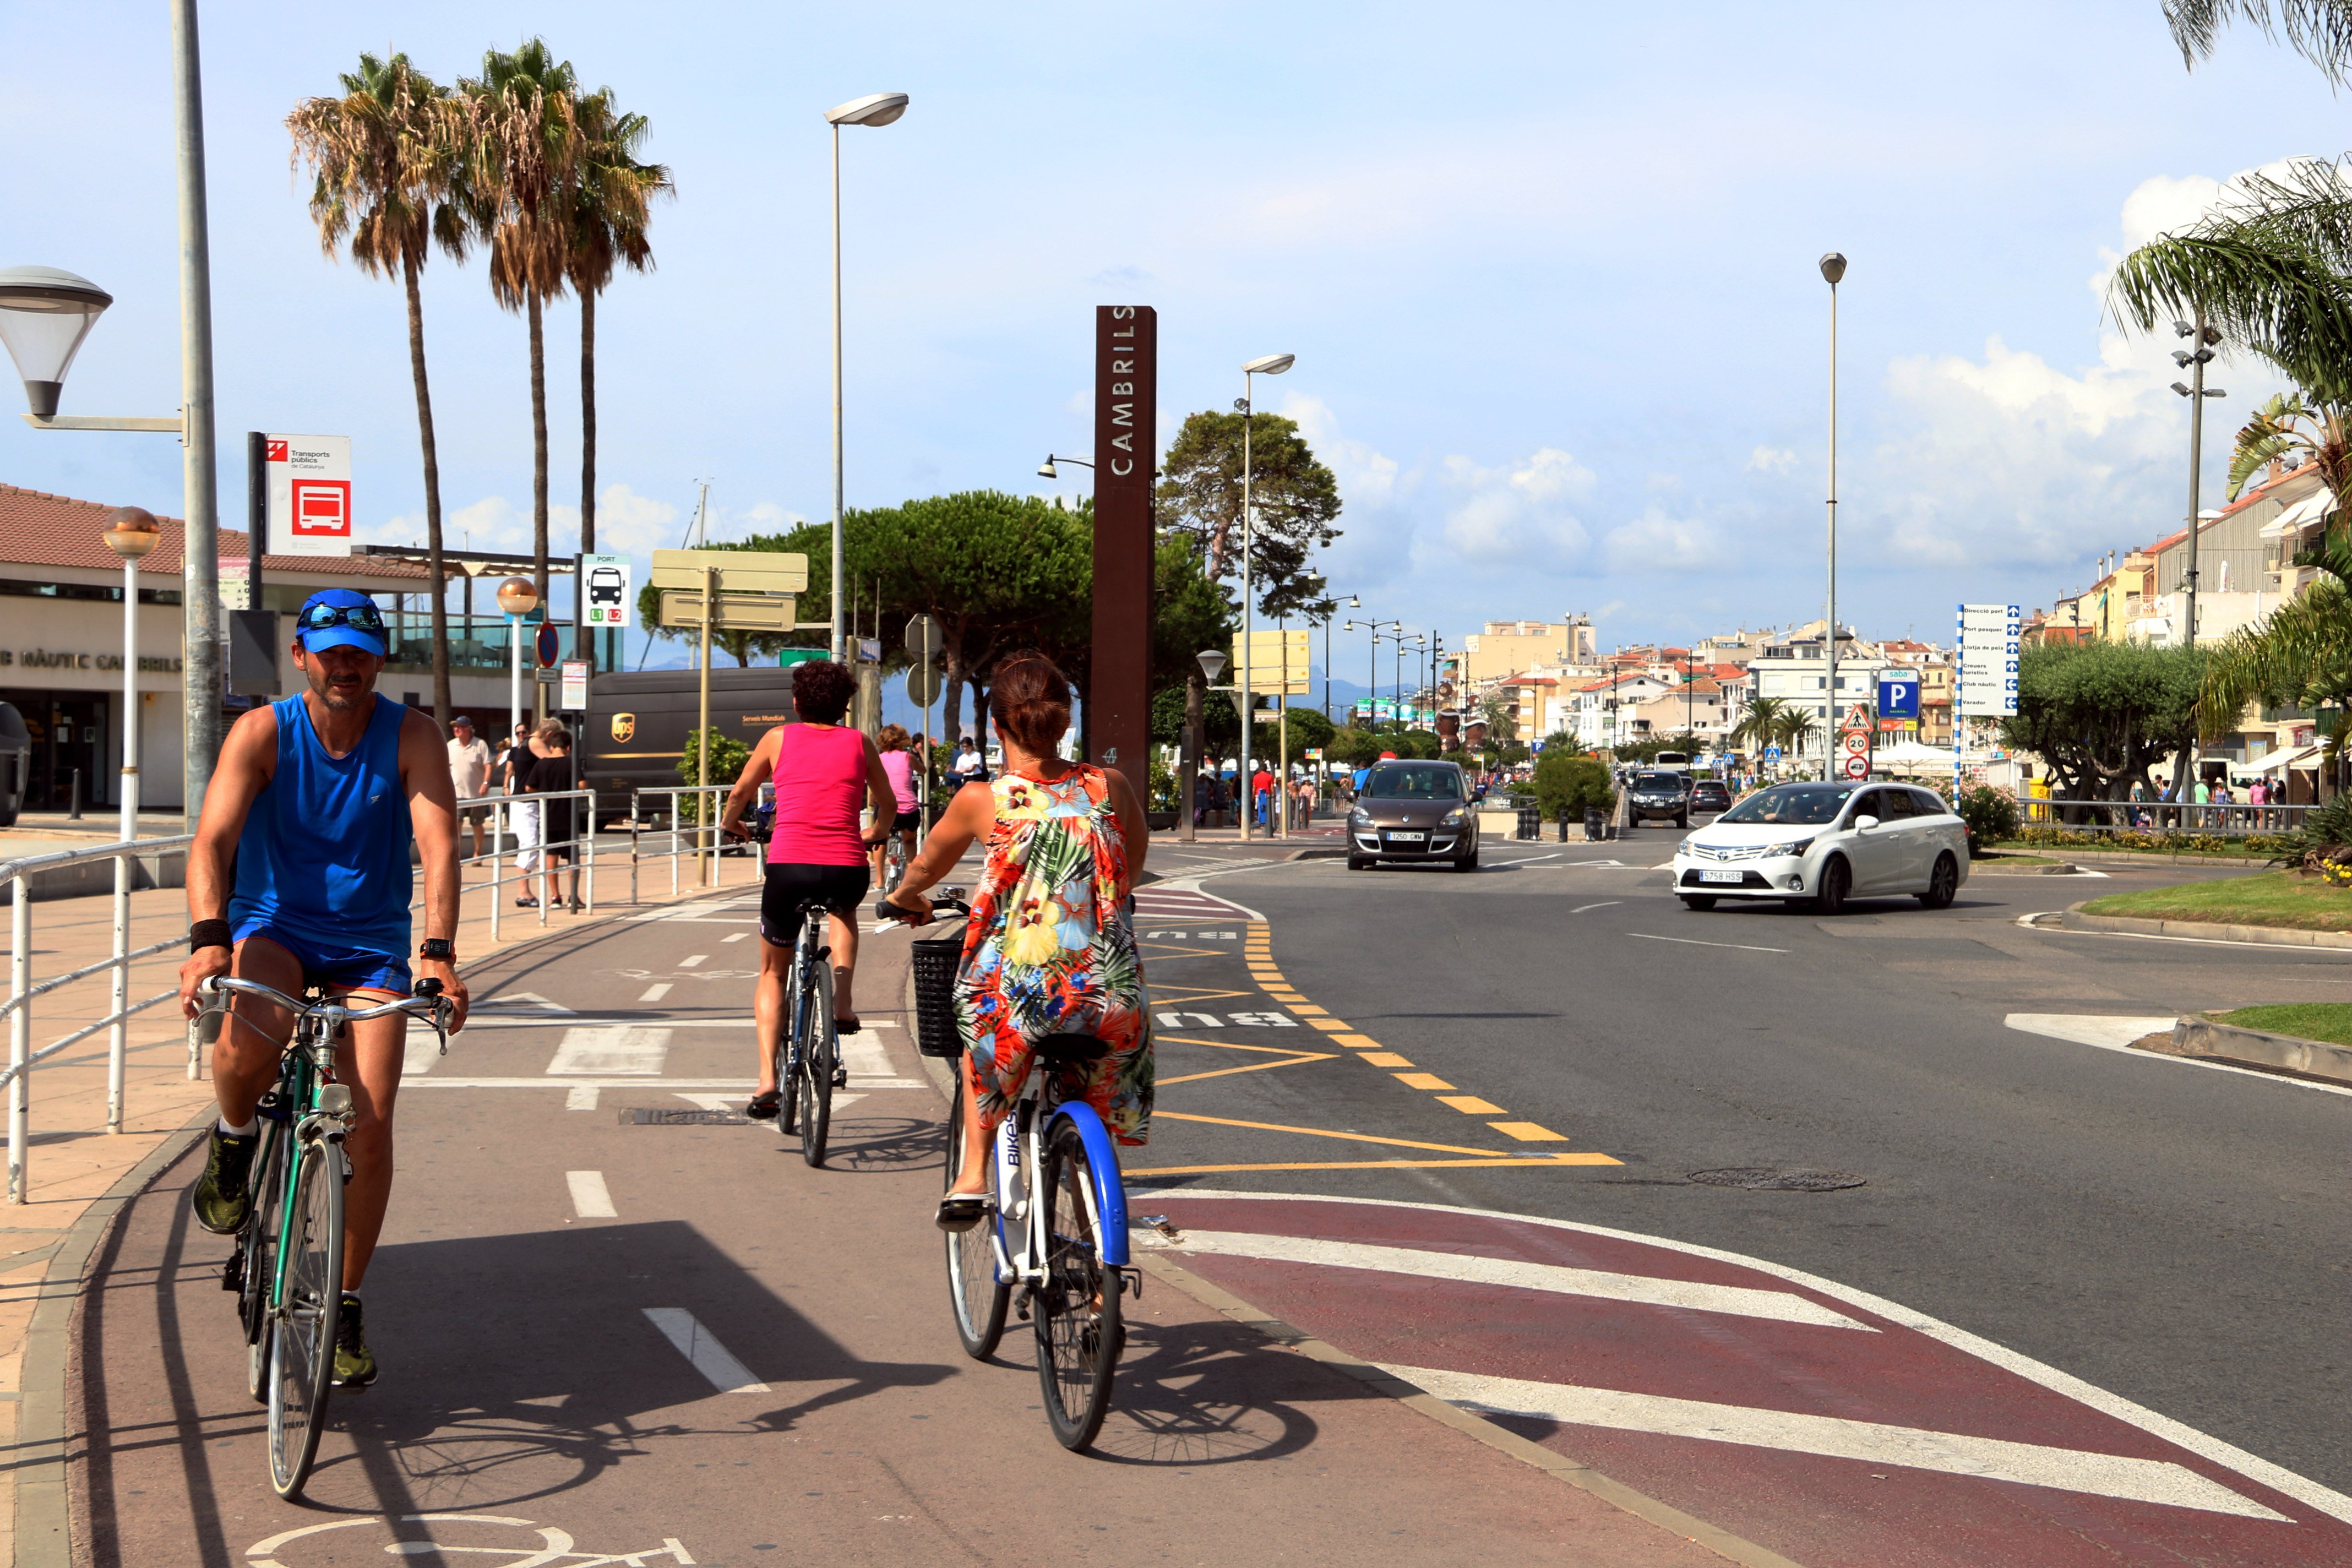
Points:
819	784
900	766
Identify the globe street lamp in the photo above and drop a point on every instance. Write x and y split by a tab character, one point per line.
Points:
873	109
131	532
517	597
1266	364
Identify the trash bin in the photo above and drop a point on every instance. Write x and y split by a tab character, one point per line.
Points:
1596	825
1530	822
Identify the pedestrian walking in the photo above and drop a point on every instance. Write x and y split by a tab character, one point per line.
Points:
522	753
1261	794
469	776
554	821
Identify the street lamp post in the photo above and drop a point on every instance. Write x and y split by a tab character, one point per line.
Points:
1833	269
518	599
1213	665
1353	605
1266	364
2194	359
131	534
873	109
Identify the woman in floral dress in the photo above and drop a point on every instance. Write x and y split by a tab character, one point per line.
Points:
1050	949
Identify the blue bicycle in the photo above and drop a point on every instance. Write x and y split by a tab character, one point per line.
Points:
1056	1227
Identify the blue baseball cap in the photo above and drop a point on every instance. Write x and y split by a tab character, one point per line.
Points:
339	617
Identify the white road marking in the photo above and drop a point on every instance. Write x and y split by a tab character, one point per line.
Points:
694	962
710	1358
581	1097
519	1000
574	1085
1692	942
2253	1466
1782	1305
656	993
1913	1448
623	1051
2108	1035
710	1101
739	936
863	1055
1603	904
419	1051
590	1197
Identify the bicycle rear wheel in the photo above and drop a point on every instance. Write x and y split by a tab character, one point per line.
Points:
303	1351
820	1050
788	1089
267	1183
1077	1306
980	1302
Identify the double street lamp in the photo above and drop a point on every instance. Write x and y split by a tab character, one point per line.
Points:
1833	269
873	109
1373	669
1266	364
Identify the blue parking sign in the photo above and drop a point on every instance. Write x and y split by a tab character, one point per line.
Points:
1898	694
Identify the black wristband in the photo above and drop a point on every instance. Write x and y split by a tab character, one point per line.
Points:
203	935
438	947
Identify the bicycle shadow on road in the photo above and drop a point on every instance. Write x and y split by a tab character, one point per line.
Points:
517	1367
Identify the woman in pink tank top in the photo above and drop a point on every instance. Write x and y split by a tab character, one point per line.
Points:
824	774
898	760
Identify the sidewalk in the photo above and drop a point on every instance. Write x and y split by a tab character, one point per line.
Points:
75	1169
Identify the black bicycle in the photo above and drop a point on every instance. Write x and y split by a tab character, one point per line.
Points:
808	1051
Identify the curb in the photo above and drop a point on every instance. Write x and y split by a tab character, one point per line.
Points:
2197	1036
44	1535
2061	869
2151	858
1559	1467
2209	931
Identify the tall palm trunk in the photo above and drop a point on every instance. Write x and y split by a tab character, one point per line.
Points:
587	421
538	447
431	495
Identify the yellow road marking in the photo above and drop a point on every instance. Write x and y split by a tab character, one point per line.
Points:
1235	1046
1301	1006
1356	1042
1470	1105
1384	1059
1162	994
1319	1133
1325	1023
1422	1080
1527	1132
1380	1164
1254	1067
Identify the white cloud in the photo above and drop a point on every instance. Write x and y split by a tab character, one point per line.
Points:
1657	543
1768	460
1520	512
1366	478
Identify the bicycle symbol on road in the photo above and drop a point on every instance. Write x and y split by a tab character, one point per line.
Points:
490	1536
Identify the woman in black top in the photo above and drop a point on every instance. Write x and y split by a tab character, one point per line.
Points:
552	775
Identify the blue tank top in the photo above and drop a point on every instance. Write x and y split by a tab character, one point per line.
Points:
325	850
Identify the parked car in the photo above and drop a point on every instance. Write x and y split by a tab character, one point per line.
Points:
1710	794
1820	844
1411	812
1659	795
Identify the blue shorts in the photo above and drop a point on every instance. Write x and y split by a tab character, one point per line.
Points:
335	967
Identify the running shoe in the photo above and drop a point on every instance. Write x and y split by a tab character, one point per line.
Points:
354	1363
221	1201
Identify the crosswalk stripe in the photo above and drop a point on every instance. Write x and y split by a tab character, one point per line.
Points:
623	1050
1471	1269
590	1199
1830	1437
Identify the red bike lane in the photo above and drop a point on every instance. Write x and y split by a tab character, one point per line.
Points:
1820	1422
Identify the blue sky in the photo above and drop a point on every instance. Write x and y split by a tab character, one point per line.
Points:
1548	270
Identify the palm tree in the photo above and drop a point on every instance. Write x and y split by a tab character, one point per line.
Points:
387	177
1759	726
1794	728
608	195
2318	30
524	144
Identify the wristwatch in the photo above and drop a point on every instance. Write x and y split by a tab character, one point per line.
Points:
438	947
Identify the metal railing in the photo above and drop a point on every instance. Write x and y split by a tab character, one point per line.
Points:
512	815
2233	819
707	847
22	991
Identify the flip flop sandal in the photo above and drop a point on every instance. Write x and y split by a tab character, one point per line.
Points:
961	1211
764	1107
849	1025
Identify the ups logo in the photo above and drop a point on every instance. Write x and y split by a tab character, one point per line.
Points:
624	727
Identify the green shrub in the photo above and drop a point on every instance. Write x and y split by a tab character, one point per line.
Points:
1989	814
727	756
1566	787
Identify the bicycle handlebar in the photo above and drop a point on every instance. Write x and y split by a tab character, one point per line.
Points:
428	992
888	913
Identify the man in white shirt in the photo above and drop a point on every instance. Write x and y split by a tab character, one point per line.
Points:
470	774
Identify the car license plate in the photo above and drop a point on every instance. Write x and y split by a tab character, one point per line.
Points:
1720	875
1407	837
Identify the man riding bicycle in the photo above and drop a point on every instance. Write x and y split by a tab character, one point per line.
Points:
299	875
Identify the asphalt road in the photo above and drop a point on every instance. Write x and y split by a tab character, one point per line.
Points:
2175	1235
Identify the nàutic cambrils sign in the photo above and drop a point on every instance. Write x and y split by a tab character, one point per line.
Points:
1988	644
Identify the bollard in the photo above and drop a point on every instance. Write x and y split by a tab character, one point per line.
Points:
118	1036
20	1031
73	798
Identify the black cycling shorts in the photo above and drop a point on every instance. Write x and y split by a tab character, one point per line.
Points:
790	884
904	822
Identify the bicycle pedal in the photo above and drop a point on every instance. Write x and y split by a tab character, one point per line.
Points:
233	1272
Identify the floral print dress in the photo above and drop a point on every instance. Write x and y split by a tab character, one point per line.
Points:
1051	952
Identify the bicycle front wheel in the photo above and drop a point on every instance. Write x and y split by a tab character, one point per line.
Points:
309	1304
979	1301
820	1051
1077	1305
267	1183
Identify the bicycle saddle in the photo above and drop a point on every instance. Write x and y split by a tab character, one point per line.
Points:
1067	1050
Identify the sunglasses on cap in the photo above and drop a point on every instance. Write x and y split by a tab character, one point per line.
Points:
363	617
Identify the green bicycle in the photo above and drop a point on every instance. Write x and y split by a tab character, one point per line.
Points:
287	1267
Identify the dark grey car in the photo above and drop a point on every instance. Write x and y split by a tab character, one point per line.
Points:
1659	795
1413	811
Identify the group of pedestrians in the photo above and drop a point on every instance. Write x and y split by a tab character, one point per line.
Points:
1213	798
535	760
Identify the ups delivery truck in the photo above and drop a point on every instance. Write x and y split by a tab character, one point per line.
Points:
638	721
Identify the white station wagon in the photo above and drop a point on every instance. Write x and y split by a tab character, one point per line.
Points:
1821	844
